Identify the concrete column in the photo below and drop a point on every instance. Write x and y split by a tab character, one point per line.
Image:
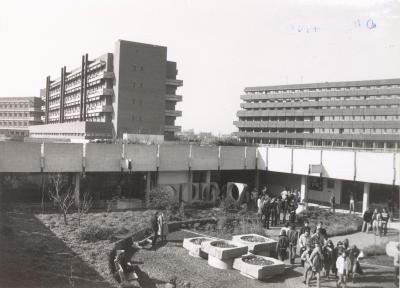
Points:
208	182
367	187
148	187
303	189
77	182
257	179
190	182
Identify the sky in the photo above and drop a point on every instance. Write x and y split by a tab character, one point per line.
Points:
220	47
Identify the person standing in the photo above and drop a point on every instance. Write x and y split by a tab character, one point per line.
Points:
266	210
376	219
272	205
316	264
367	218
254	198
343	267
292	211
284	204
154	227
260	203
304	241
162	227
282	245
384	221
305	228
305	259
351	203
396	266
292	237
332	201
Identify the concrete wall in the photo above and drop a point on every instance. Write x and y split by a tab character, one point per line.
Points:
19	157
174	157
62	157
325	194
232	158
103	157
339	164
279	159
204	158
173	177
367	160
144	157
303	158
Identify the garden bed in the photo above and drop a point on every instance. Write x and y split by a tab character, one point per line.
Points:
258	267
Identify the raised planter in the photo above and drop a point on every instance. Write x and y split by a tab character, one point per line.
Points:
258	267
193	245
257	244
221	253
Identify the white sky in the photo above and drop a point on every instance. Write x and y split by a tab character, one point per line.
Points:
220	46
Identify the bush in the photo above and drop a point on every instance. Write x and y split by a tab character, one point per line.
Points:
228	204
373	250
94	233
161	197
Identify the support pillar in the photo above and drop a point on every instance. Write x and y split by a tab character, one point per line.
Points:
208	182
367	187
257	179
77	182
148	187
190	182
303	189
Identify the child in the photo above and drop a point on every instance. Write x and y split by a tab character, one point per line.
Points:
343	267
305	258
282	246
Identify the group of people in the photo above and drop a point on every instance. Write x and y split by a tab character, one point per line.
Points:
272	208
318	254
376	220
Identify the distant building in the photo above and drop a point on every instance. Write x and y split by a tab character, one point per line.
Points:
17	114
130	91
341	114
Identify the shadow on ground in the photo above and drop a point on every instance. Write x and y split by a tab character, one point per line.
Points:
32	256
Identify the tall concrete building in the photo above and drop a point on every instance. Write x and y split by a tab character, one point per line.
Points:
346	114
130	91
17	114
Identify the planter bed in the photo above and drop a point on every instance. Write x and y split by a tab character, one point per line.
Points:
258	267
221	253
256	244
193	245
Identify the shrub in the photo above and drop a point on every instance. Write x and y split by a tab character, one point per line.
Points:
228	204
161	197
374	249
93	233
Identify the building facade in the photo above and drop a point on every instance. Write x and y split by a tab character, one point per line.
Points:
17	114
130	91
363	114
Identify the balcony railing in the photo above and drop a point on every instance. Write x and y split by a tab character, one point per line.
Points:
173	113
100	92
98	109
172	97
172	128
174	82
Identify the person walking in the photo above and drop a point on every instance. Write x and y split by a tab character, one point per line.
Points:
316	259
343	267
367	218
351	203
305	258
332	201
281	247
376	219
384	221
162	227
292	237
154	227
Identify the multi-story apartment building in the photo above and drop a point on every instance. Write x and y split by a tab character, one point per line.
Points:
346	114
130	91
17	114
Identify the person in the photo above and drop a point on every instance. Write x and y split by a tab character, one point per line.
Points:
355	267
329	258
304	241
266	211
346	245
124	268
154	227
305	259
285	228
282	245
316	259
272	204
367	217
317	239
351	203
384	221
332	201
254	198
292	211
376	219
292	237
305	228
343	268
284	203
278	206
162	227
260	203
322	229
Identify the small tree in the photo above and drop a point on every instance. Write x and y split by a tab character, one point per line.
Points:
84	205
61	193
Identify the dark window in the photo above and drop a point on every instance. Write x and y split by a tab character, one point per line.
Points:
330	183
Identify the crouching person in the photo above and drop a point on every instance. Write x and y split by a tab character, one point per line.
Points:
125	269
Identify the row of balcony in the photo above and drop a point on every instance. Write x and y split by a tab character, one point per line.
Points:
173	113
173	97
174	82
319	112
322	103
172	128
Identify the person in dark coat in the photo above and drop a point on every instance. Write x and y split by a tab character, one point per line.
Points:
367	218
266	211
281	247
293	236
154	227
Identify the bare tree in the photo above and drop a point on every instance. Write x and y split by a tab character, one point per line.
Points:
84	205
61	193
